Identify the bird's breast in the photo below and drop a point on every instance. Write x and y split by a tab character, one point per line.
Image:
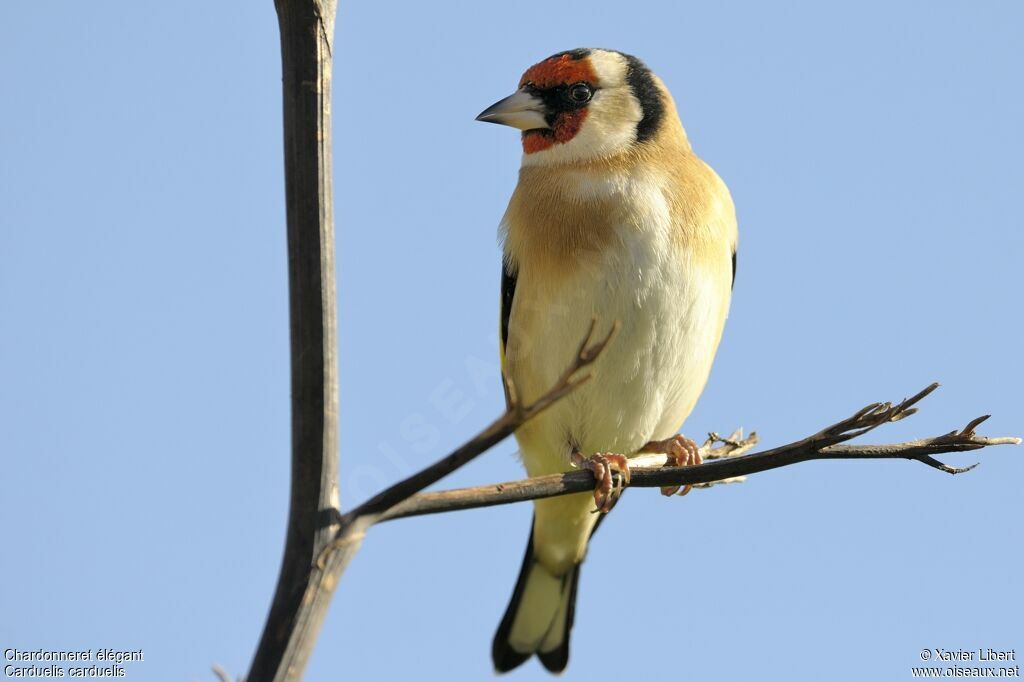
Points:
631	267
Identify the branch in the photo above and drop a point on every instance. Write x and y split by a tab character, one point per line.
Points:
724	465
303	591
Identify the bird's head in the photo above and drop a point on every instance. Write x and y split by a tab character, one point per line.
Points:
582	105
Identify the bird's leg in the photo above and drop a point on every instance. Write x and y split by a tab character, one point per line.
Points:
604	464
681	452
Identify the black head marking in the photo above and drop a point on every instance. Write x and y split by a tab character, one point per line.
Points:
652	106
559	100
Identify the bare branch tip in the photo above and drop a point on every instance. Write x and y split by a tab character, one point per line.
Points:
920	395
905	408
865	411
973	424
221	674
959	470
589	335
600	345
942	466
736	435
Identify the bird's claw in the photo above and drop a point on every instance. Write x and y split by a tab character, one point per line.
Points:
681	452
609	487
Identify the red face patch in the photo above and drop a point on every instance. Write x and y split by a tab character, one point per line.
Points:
561	70
564	128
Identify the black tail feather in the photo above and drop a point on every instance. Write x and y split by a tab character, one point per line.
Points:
504	656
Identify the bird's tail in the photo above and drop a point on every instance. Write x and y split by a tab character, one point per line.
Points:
538	618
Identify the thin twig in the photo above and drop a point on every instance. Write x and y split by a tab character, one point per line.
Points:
516	414
825	444
222	674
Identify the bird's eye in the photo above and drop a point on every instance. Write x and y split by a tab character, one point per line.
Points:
580	93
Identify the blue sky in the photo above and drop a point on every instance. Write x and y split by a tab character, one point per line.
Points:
874	155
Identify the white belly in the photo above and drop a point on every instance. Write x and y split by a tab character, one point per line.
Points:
647	381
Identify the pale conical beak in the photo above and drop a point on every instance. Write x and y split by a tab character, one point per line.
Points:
519	110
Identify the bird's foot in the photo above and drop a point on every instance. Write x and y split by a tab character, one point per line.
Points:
681	452
604	465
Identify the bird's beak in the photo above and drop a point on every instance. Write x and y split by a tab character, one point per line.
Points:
519	110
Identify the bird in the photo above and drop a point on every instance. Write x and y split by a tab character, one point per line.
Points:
614	219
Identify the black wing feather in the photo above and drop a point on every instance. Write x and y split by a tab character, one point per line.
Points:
508	291
504	656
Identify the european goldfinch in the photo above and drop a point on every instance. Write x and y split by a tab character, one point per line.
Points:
614	219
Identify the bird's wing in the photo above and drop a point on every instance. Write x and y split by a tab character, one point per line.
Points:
508	291
734	267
